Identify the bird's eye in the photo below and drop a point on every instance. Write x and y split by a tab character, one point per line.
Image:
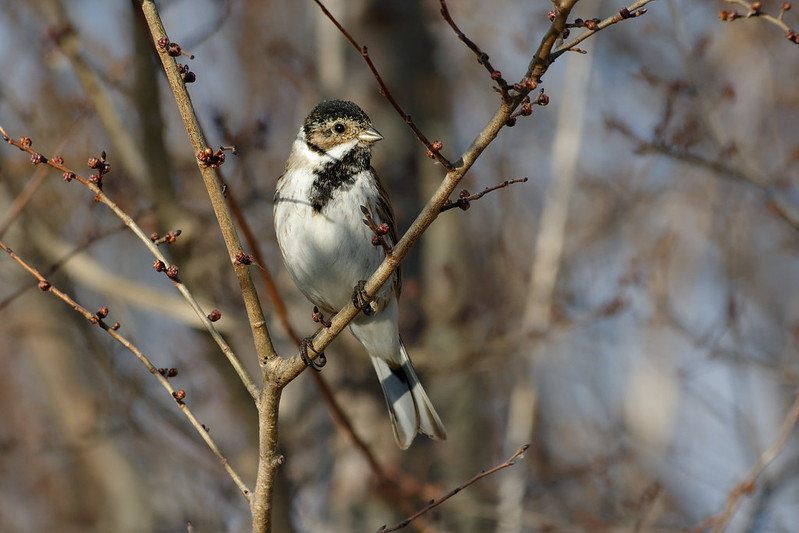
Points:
339	127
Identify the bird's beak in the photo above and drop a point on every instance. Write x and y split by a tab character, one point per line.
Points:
370	136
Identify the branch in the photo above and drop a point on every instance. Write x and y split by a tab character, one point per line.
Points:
774	202
208	164
465	199
380	231
482	57
33	184
435	503
433	150
592	27
721	521
61	260
94	184
754	9
98	318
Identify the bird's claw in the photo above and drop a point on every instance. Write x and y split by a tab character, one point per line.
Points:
361	299
317	363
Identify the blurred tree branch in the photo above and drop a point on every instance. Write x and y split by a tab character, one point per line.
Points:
775	202
720	522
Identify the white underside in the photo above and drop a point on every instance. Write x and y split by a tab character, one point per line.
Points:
326	252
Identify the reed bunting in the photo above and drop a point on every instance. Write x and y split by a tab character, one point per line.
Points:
328	249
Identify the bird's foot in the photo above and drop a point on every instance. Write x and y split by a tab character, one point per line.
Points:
316	364
361	299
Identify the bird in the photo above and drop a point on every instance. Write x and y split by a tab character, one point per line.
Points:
328	249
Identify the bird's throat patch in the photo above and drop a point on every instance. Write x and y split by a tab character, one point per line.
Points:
338	175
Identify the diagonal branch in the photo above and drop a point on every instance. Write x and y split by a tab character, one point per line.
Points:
721	521
510	461
178	395
482	57
384	90
753	10
57	163
465	199
632	11
775	202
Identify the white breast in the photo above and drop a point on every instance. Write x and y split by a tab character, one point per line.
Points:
326	252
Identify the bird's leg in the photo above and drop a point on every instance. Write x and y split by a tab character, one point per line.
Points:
320	361
361	299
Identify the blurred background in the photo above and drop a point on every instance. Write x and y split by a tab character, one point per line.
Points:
632	311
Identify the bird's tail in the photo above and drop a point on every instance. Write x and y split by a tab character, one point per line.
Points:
408	404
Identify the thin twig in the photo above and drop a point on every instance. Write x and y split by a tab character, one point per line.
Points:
435	503
753	10
98	319
33	184
384	89
632	11
55	266
482	57
70	175
775	203
465	199
721	521
120	135
379	230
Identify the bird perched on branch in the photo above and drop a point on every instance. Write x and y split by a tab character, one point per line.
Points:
328	249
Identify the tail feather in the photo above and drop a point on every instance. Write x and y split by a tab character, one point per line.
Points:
408	405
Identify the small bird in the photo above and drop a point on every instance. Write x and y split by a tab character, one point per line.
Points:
328	249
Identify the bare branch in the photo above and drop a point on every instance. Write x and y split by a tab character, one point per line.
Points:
482	57
721	521
465	199
632	11
98	318
384	89
435	503
754	9
774	202
94	184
